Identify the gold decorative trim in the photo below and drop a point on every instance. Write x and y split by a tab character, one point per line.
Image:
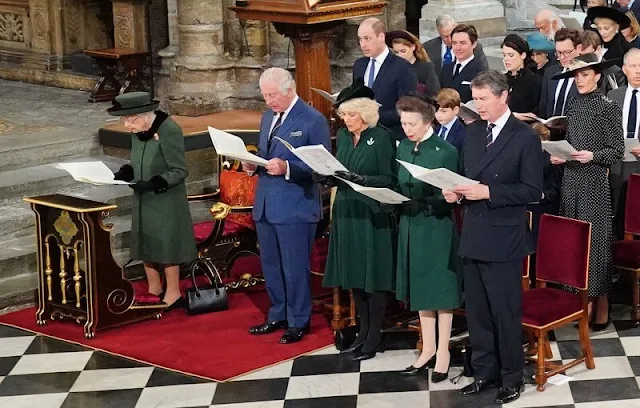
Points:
65	226
70	208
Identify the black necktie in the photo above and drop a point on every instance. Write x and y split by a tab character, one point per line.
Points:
558	110
632	120
489	139
274	130
457	70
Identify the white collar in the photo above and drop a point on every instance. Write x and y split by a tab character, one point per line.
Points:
450	124
425	137
465	62
502	120
631	89
383	56
286	112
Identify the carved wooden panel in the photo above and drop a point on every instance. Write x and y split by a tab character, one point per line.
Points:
41	36
74	27
14	26
129	24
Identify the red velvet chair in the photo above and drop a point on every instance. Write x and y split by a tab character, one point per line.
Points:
626	253
562	257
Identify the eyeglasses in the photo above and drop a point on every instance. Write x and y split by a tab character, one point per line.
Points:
127	119
564	53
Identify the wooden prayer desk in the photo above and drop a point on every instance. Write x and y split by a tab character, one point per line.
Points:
121	71
77	276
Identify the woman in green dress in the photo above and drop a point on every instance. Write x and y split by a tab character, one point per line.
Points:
161	227
361	245
426	273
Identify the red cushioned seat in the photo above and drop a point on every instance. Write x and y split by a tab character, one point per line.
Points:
542	306
627	254
202	230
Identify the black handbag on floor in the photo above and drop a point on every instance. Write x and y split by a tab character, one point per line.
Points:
344	338
210	298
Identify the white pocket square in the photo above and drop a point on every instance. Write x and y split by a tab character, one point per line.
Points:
297	133
465	83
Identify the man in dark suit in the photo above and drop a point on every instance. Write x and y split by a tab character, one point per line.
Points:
556	94
287	204
390	76
505	156
624	5
459	73
440	50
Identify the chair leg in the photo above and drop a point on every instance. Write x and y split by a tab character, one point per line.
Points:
636	297
548	354
541	375
352	309
337	322
585	342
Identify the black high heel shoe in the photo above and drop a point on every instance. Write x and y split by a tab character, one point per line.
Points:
180	303
413	370
356	346
437	377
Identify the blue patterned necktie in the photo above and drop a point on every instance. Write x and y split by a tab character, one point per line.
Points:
443	133
489	140
448	58
372	72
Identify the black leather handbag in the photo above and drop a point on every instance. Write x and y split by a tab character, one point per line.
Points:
210	298
344	338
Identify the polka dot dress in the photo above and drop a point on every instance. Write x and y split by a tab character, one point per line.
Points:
594	124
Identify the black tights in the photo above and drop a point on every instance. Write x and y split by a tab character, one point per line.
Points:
370	308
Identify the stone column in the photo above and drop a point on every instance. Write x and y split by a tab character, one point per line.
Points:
486	15
174	40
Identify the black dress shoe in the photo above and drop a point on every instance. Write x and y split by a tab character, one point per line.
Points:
509	394
354	347
437	377
180	303
294	335
360	356
598	327
413	370
477	387
268	327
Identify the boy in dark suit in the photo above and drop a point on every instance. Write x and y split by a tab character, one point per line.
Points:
390	76
451	128
505	156
459	73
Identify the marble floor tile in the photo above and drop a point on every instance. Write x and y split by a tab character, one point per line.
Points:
325	364
348	401
329	385
552	395
100	360
282	370
50	383
326	350
235	392
606	367
601	347
30	401
379	382
114	379
569	332
260	404
634	403
631	345
7	364
175	396
417	399
42	344
8	331
392	360
102	399
605	390
14	346
161	377
51	363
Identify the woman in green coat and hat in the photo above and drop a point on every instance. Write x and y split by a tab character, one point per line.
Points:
161	226
361	244
426	268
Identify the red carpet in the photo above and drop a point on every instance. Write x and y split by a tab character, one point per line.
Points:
215	346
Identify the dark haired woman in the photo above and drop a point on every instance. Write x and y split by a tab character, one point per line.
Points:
408	47
426	273
524	83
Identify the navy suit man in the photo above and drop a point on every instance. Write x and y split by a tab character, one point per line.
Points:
624	5
459	73
390	76
505	156
287	207
453	132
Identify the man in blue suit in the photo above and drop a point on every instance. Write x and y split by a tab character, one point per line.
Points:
287	204
624	5
390	76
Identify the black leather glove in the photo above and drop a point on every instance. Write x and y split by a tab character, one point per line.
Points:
325	181
125	173
387	208
413	207
155	183
141	186
352	177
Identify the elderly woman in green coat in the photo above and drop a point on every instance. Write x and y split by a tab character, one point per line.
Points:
361	244
161	226
426	277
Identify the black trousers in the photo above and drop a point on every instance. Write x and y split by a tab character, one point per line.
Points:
370	308
493	306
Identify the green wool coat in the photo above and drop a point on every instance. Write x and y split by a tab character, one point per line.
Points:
427	277
361	242
161	227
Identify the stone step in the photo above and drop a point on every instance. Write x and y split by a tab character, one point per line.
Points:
18	257
44	179
18	291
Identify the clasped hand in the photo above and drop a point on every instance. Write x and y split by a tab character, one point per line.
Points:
583	156
468	191
274	167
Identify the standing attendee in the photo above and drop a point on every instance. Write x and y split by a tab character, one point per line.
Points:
612	77
427	277
524	84
161	225
631	33
631	5
505	156
593	129
548	23
361	244
588	23
541	52
450	128
407	46
389	76
440	49
629	99
459	73
609	22
286	208
555	94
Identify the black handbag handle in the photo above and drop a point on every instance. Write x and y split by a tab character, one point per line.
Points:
209	273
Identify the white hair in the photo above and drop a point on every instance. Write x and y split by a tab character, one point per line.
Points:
280	77
368	109
444	20
551	16
631	53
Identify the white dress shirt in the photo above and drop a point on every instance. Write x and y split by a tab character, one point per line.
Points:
625	109
499	124
462	63
566	92
284	117
448	126
379	60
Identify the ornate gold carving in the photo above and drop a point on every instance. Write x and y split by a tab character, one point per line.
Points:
63	275
118	302
246	280
105	227
48	271
11	27
76	271
219	211
65	226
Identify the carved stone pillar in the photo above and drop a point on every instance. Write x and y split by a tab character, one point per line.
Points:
174	39
130	24
486	15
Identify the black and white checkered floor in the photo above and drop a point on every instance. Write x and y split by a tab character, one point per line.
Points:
41	372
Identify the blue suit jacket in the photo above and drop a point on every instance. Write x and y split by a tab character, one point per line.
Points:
394	80
456	134
296	200
495	230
